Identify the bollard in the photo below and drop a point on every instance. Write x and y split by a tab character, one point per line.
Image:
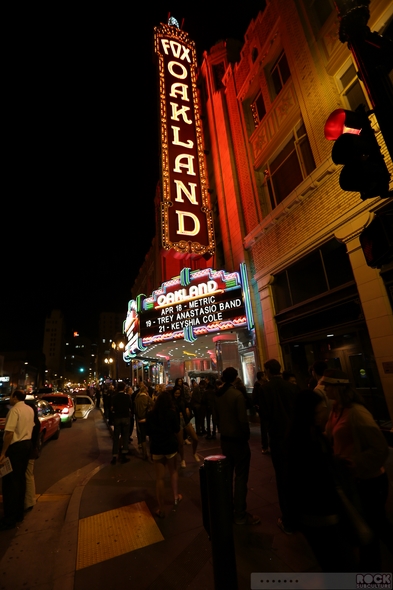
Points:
217	509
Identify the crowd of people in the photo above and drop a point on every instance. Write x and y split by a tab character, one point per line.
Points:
329	458
327	452
326	449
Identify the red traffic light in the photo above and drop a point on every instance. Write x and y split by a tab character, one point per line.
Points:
341	121
356	147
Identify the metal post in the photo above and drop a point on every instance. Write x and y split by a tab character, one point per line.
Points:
217	507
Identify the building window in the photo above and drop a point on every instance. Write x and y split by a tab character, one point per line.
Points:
328	266
290	167
258	109
322	10
218	74
280	73
351	89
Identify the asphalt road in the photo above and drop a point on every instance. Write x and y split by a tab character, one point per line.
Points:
75	448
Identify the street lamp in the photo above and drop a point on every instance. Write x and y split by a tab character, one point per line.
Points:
118	348
109	361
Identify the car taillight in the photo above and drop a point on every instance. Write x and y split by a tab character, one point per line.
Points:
64	411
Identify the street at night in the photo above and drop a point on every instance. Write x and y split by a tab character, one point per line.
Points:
75	482
198	248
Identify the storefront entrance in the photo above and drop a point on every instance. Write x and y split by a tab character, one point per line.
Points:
198	321
351	352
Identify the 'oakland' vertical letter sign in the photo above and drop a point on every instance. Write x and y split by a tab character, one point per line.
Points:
187	225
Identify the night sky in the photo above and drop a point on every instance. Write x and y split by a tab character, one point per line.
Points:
83	161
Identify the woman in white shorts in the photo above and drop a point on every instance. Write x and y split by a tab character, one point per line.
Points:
165	435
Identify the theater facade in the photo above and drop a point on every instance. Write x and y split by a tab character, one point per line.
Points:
249	195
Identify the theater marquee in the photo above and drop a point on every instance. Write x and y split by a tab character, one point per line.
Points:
191	305
187	224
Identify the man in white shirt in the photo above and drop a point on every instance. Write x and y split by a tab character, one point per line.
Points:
16	446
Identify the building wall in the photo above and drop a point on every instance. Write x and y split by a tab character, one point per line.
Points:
225	181
54	342
78	361
25	368
316	210
110	325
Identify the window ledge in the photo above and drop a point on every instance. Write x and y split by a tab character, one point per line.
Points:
302	191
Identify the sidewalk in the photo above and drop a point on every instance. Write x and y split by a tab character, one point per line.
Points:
180	555
100	531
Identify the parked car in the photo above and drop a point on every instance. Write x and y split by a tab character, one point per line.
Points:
49	419
42	390
4	409
84	405
63	404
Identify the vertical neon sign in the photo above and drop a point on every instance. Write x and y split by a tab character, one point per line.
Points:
187	222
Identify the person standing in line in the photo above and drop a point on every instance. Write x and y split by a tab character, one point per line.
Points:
358	442
238	383
30	500
121	410
107	400
98	396
185	390
187	393
185	425
234	436
159	388
257	405
277	401
317	371
196	405
16	446
288	376
142	404
129	392
135	422
165	435
314	497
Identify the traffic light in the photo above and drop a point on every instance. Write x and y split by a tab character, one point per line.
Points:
377	240
357	148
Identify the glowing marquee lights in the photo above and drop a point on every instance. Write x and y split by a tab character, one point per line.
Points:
187	222
193	304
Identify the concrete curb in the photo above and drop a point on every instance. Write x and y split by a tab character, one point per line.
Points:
68	542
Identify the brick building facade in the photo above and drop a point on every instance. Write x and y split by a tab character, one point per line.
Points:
277	197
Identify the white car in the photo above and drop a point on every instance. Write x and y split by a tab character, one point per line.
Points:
83	406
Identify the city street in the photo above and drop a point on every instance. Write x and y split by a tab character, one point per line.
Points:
63	543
